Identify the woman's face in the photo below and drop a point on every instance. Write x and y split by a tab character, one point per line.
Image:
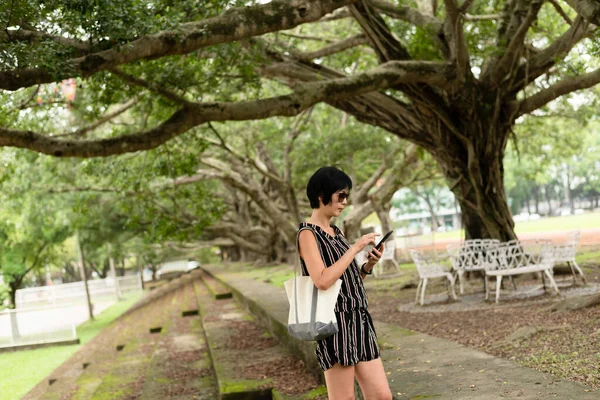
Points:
338	202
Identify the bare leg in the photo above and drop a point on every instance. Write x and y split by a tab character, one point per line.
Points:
372	380
340	382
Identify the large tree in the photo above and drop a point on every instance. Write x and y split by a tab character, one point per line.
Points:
451	78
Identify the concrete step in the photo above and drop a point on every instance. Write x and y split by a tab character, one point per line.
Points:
216	288
121	374
180	367
242	352
127	361
97	356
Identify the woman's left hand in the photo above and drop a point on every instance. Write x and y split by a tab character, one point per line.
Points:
375	255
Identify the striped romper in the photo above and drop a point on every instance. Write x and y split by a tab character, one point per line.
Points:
356	339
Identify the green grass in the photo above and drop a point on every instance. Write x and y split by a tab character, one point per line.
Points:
570	222
590	257
22	370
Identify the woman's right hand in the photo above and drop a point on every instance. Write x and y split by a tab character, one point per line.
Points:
365	240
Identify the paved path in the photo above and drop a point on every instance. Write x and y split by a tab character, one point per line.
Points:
425	366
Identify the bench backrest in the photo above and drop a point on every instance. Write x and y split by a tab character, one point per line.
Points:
470	255
518	254
566	252
426	265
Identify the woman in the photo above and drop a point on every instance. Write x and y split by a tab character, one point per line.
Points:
326	256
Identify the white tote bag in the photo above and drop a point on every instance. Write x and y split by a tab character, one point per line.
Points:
312	315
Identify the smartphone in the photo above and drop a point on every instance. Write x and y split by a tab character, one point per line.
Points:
382	241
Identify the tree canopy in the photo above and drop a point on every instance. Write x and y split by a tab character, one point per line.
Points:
452	78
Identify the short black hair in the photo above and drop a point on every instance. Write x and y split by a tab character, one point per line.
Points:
324	183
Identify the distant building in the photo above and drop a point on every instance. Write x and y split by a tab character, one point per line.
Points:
420	222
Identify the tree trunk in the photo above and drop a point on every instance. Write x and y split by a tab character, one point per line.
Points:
548	199
536	197
353	220
527	203
434	218
12	294
477	183
383	213
570	191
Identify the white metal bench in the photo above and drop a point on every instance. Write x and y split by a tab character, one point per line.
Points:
567	252
519	257
469	256
430	267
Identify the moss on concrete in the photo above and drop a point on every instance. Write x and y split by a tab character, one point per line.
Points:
316	392
245	385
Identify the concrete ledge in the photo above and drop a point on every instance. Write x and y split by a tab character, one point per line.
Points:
217	289
417	365
39	345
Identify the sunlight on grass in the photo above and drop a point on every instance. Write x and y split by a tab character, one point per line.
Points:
22	370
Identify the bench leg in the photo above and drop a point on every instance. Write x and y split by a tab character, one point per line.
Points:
544	282
418	288
423	291
547	272
487	287
460	281
451	290
498	284
580	271
572	272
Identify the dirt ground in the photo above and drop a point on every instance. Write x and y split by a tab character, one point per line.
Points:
522	329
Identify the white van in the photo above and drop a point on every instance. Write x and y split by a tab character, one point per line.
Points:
175	268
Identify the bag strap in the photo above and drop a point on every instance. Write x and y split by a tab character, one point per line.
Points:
315	293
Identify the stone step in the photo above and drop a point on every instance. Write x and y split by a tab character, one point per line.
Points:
180	367
121	374
242	352
216	288
73	377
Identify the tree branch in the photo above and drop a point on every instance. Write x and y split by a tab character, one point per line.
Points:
148	85
563	87
560	11
377	109
234	25
83	131
33	37
428	22
470	17
360	194
303	96
588	9
514	50
334	48
546	58
386	45
455	37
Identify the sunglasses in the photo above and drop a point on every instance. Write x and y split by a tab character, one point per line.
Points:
343	196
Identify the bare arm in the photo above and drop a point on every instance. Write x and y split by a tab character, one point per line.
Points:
323	277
